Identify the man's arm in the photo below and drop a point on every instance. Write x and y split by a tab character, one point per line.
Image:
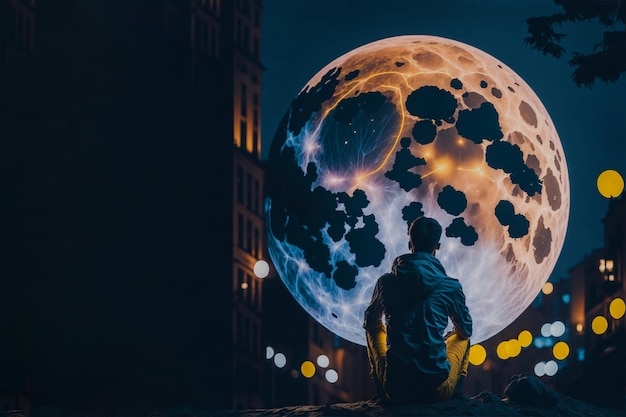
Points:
460	316
375	330
376	338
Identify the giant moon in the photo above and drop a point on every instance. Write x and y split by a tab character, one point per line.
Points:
409	126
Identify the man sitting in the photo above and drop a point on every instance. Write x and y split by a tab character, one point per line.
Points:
410	359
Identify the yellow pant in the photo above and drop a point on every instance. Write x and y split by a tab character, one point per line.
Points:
457	353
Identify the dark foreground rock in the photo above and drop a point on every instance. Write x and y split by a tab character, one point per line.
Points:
525	396
483	405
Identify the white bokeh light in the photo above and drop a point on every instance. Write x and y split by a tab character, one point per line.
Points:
261	269
269	352
546	330
551	368
323	361
331	376
280	360
557	329
540	369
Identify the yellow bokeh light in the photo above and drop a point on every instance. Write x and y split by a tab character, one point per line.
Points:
525	338
547	288
560	350
477	355
610	184
513	347
599	325
307	369
502	351
617	308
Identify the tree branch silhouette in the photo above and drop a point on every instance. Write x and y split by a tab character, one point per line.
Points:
607	60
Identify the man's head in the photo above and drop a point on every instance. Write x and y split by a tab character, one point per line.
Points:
424	235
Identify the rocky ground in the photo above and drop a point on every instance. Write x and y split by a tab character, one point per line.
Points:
525	396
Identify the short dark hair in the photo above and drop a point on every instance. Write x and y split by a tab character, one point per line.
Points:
424	234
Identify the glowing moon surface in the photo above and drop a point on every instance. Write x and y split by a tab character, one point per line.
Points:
409	126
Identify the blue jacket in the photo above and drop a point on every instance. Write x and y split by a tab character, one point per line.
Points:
416	299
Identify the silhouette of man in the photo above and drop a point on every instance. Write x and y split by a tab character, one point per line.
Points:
410	359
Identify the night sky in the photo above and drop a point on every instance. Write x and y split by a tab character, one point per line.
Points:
301	37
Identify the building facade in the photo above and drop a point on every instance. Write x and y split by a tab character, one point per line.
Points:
598	294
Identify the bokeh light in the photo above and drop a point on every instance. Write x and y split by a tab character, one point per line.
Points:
280	360
546	330
551	368
610	184
560	350
513	348
261	269
502	351
617	308
525	338
307	369
547	288
323	361
557	329
269	352
540	369
477	355
599	325
331	376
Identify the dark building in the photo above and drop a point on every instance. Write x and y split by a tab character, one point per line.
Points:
131	144
130	135
598	288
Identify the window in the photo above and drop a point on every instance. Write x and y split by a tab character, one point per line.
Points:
249	236
249	191
243	134
240	281
255	142
256	50
246	37
257	18
244	100
255	249
257	196
249	288
240	231
257	296
240	184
